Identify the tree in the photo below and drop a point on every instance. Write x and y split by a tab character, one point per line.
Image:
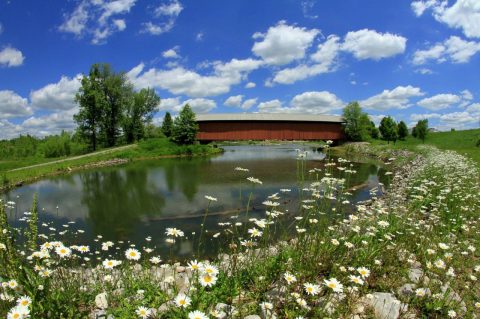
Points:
374	133
388	129
422	129
185	127
167	125
402	130
414	132
91	106
138	113
356	122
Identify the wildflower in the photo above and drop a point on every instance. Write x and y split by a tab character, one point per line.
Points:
110	264
334	284
477	305
254	180
349	245
207	280
289	277
364	272
254	232
383	224
18	312
210	198
143	312
197	315
83	249
420	292
302	302
311	289
440	264
63	251
132	254
210	269
155	260
241	169
268	306
24	301
452	314
443	246
271	203
335	242
182	301
357	280
174	232
12	284
194	265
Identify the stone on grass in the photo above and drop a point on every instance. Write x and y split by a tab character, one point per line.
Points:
101	301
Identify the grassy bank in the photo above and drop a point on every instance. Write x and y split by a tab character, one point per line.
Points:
463	142
16	172
413	253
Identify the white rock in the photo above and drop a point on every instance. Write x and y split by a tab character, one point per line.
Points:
101	301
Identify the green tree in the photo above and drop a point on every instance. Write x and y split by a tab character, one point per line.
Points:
373	130
139	113
91	103
422	129
388	129
414	131
402	130
185	127
357	122
167	125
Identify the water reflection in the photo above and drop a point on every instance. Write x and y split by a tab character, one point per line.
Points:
141	199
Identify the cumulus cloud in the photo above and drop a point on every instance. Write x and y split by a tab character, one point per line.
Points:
50	124
313	102
323	61
198	105
57	96
10	57
283	43
13	105
439	101
419	7
370	44
182	81
97	19
453	49
9	130
166	15
235	100
171	53
250	85
398	98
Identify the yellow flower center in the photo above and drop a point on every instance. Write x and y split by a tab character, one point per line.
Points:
24	303
332	285
16	315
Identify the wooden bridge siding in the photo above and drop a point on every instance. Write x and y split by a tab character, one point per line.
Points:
244	130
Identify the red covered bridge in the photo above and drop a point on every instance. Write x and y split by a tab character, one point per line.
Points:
271	126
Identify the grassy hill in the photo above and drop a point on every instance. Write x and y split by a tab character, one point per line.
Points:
464	142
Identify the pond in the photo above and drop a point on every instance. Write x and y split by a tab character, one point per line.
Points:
136	202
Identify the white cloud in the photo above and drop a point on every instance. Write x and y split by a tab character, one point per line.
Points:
463	14
307	6
314	102
398	98
424	71
9	130
283	43
454	49
57	96
198	105
50	124
420	6
13	105
10	57
199	36
439	101
247	104
370	44
235	100
182	81
96	18
324	59
1	28
250	85
166	15
418	117
467	95
171	53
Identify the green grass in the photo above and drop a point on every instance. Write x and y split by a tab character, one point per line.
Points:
148	149
463	142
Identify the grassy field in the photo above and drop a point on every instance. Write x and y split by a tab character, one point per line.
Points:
463	142
13	172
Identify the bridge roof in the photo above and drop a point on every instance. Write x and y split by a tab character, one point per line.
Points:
274	117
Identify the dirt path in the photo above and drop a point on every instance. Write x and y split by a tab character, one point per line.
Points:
77	157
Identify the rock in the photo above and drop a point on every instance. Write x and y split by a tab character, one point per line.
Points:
386	306
415	274
165	307
277	293
180	269
332	304
224	311
252	317
453	298
407	290
101	301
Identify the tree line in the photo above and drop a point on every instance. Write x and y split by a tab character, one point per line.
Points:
359	127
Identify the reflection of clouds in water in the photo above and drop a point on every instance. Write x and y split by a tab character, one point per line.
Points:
239	153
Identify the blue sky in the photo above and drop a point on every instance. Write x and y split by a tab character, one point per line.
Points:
408	59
